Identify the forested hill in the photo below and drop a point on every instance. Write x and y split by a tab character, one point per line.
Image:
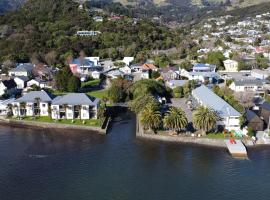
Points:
49	26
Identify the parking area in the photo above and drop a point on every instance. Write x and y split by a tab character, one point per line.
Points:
182	103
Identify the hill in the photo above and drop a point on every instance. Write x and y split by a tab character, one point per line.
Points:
43	27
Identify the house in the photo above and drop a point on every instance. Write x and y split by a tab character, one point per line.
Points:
170	73
230	118
128	60
74	105
230	65
200	67
98	19
88	33
116	73
126	69
149	67
84	65
264	111
247	85
43	71
38	82
260	74
254	121
211	77
35	103
24	69
21	81
176	83
4	106
8	87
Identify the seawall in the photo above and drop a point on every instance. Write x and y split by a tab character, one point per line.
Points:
46	125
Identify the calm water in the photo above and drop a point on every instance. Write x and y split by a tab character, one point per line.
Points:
45	165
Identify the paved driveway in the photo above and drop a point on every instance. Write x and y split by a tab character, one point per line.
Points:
182	103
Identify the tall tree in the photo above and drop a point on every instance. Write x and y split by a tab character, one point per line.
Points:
175	119
150	117
205	119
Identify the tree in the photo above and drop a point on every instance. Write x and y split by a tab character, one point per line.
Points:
37	101
216	58
175	119
178	92
9	107
50	58
205	119
79	108
65	106
73	84
150	117
22	109
138	104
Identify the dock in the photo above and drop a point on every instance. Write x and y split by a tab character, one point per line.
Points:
236	148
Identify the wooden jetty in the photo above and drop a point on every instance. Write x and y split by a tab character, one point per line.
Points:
236	148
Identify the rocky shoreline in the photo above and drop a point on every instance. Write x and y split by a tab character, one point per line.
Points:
47	125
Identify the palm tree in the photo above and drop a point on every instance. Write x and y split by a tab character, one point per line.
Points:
37	101
205	119
65	109
9	107
175	119
22	108
79	108
150	117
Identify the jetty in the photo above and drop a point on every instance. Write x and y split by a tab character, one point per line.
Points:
236	148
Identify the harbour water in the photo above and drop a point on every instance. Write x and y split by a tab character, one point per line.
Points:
54	165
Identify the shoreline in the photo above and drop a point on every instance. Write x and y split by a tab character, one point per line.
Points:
202	142
48	125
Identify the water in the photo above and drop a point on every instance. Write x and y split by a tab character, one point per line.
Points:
45	165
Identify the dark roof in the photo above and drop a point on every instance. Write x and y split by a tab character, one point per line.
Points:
9	83
245	82
265	106
251	115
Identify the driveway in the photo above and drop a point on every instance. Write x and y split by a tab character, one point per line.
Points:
182	103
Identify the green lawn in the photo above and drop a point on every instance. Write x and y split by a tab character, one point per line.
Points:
88	122
91	83
99	93
215	135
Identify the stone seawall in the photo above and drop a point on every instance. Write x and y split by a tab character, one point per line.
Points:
46	125
179	139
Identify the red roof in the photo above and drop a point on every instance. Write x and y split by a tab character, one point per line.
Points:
149	66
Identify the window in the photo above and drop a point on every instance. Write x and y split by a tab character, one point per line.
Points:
43	105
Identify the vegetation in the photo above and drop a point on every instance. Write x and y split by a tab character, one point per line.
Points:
139	104
66	81
44	28
178	92
205	119
175	119
119	90
150	117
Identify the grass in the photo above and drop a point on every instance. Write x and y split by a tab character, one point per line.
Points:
88	122
91	83
215	136
99	93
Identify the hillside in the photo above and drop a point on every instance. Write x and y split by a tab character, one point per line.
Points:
44	27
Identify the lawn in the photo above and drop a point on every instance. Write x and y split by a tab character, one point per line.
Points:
99	93
88	122
91	83
215	136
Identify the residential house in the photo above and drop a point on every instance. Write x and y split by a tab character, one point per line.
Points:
35	103
210	77
8	87
254	121
201	67
230	118
264	110
21	81
84	65
176	83
247	85
24	69
38	82
149	67
128	60
260	74
74	105
88	33
231	65
170	73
